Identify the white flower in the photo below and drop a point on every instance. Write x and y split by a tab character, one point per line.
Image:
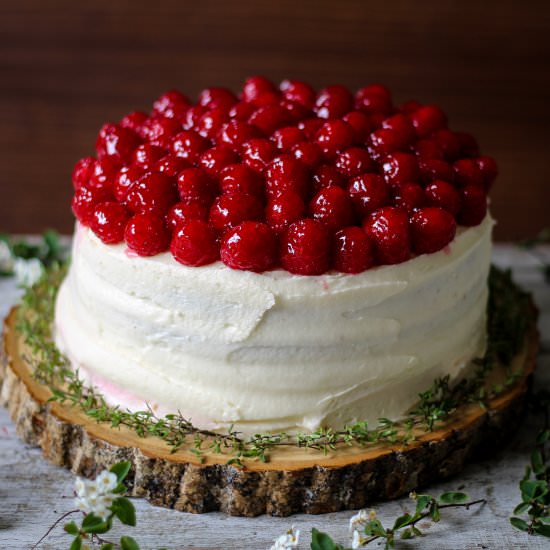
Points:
106	482
289	540
96	497
27	272
358	540
359	520
6	259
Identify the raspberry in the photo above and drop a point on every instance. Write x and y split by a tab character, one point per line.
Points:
383	142
255	86
434	169
399	168
360	124
388	229
286	138
284	210
125	179
326	176
135	121
332	207
146	234
408	196
295	111
310	127
189	145
431	229
285	173
239	178
211	122
354	161
334	136
85	200
116	141
172	165
82	171
257	153
194	244
230	210
242	111
154	192
171	104
270	118
373	99
428	119
192	117
428	149
108	222
235	133
449	143
104	172
216	159
467	172
333	102
403	128
298	92
305	248
444	195
352	250
267	98
251	246
147	155
308	153
468	145
489	170
474	206
410	106
160	131
182	212
368	193
196	186
215	98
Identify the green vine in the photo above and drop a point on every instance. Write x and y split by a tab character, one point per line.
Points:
508	318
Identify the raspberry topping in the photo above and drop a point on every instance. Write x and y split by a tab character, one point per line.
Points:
369	192
334	136
235	133
108	222
399	168
443	194
474	206
194	243
428	119
354	161
195	185
332	207
352	250
171	104
85	200
216	159
116	141
409	196
298	92
182	212
432	228
160	131
230	210
255	86
104	172
216	98
286	138
269	118
325	176
82	171
239	178
308	153
211	122
373	99
154	192
284	210
146	234
333	102
125	179
285	173
189	145
257	153
147	155
489	170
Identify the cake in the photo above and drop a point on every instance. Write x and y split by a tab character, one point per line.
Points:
281	260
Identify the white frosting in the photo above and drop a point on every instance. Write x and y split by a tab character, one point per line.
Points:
272	351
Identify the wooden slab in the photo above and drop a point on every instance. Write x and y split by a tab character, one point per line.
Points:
293	481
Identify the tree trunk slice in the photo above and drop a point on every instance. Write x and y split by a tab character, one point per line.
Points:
295	480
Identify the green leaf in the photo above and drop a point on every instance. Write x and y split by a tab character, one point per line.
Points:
77	544
543	530
124	510
543	437
128	543
537	462
434	513
121	469
454	498
321	541
407	534
107	546
533	489
94	524
521	508
519	523
422	501
401	521
71	528
375	528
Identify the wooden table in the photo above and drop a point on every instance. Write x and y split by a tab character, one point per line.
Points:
34	493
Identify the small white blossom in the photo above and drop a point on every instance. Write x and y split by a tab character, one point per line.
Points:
106	481
289	540
6	258
96	497
358	540
359	520
27	272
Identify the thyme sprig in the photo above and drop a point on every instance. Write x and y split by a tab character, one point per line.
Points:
507	324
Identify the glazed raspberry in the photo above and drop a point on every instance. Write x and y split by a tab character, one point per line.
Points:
250	246
333	102
285	173
160	131
82	171
383	142
305	248
284	210
449	143
444	195
295	111
181	212
235	133
354	161
428	149
311	126
308	153
193	116
256	86
267	98
239	178
104	172
428	119
410	106
146	155
211	122
146	234
298	92
116	141
474	206
326	176
127	176
135	121
172	165
489	170
368	193
468	145
242	111
373	99
215	98
432	229
434	169
269	118
230	210
257	153
171	104
196	186
352	250
85	200
399	168
332	207
108	222
467	172
154	192
286	138
408	196
376	120
403	128
388	229
216	159
194	244
360	124
334	136
189	145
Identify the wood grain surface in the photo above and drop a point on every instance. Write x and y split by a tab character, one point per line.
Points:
66	67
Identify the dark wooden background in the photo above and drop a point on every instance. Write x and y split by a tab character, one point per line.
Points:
66	67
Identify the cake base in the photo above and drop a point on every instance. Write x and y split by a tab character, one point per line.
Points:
295	480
